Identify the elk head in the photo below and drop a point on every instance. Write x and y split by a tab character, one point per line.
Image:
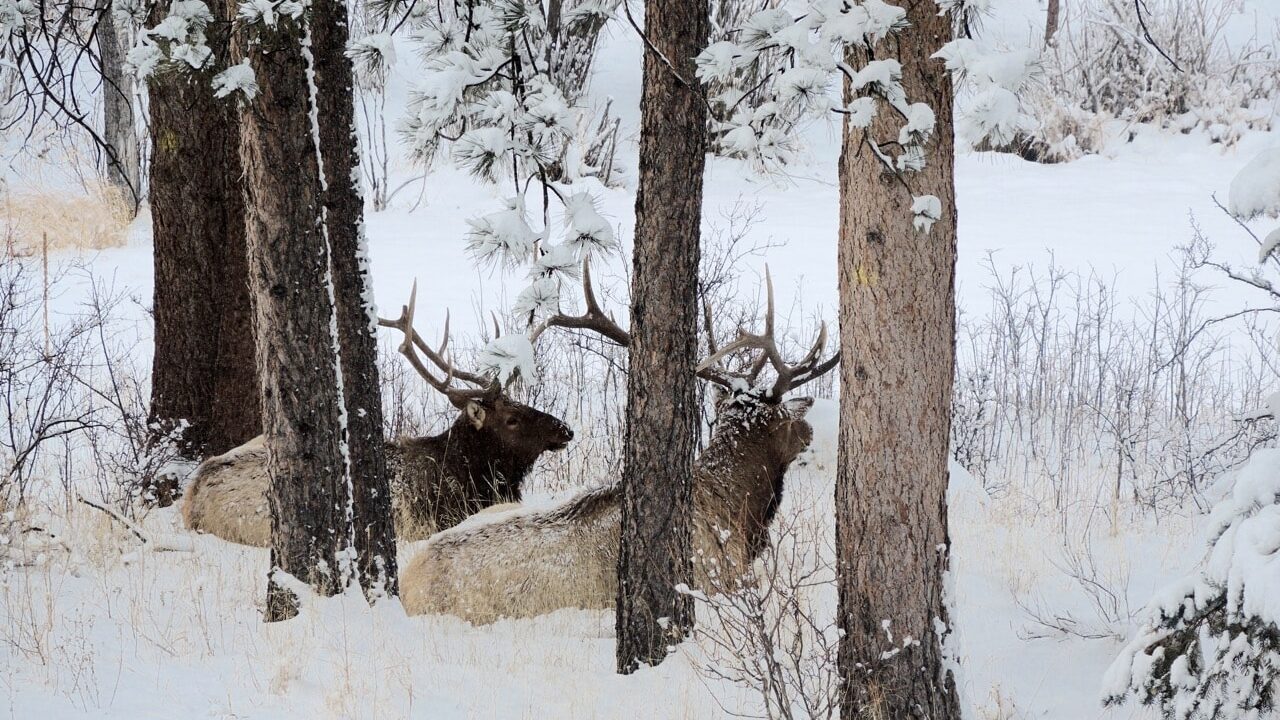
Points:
755	408
510	429
750	410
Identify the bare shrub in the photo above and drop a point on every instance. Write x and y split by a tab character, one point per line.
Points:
1174	66
773	630
73	400
1062	383
40	392
1101	584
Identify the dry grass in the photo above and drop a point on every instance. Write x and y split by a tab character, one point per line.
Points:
95	218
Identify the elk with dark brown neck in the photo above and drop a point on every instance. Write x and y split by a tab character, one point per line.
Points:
481	460
527	563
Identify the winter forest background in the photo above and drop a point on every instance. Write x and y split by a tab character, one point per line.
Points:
1114	491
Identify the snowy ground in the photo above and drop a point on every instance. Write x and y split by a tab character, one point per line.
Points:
113	632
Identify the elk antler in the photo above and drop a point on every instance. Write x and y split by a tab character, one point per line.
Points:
486	388
593	319
789	377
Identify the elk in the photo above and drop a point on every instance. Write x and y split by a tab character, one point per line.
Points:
437	481
529	562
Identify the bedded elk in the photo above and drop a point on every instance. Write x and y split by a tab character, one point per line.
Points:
529	562
437	481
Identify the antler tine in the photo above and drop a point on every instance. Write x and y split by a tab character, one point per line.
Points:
588	287
413	342
769	307
815	372
497	329
788	374
706	320
444	341
593	318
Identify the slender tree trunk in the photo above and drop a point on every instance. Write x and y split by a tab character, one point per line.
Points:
357	319
897	328
203	370
1051	21
119	128
295	325
662	393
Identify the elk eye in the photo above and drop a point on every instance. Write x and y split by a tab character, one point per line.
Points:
512	422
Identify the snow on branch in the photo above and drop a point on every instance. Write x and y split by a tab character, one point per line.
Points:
801	60
1210	646
492	99
1255	192
177	42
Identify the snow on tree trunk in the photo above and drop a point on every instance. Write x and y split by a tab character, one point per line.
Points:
295	321
897	331
203	373
353	289
662	393
119	128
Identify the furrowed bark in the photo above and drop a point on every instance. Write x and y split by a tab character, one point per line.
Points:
294	320
119	127
344	210
662	393
203	369
897	328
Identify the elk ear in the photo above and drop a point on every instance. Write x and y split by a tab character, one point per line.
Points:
475	413
797	407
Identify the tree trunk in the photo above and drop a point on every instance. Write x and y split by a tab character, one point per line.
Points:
203	370
357	318
295	323
1051	21
897	332
662	392
119	128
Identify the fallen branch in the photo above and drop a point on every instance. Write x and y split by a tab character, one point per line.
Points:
117	517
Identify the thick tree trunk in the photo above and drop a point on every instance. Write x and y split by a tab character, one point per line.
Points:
662	393
119	128
357	321
294	321
897	332
203	370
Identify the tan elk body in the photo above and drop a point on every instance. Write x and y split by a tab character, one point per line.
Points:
437	481
530	562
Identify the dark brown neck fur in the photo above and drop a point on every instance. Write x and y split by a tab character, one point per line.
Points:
447	477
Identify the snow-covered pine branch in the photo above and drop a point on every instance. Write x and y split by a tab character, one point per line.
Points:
1210	647
489	97
175	43
802	58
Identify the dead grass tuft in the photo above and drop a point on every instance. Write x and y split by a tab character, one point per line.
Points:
93	219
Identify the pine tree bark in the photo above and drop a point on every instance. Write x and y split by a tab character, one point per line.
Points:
203	369
1051	21
119	127
295	325
357	318
897	328
662	393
